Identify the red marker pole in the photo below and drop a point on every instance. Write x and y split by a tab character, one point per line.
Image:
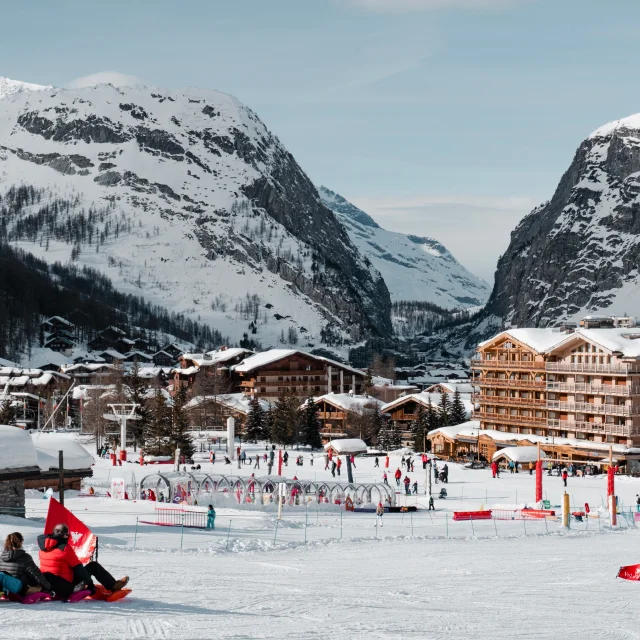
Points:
279	462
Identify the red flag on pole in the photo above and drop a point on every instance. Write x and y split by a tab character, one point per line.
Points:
80	536
630	572
539	481
611	481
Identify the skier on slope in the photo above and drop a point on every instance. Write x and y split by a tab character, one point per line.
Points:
61	567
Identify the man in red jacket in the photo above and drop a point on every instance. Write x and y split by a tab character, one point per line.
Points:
62	568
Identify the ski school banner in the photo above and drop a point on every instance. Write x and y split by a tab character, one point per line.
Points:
81	537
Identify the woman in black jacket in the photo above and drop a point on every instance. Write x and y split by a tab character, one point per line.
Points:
16	562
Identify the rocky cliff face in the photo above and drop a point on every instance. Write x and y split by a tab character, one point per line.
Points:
579	253
185	197
413	267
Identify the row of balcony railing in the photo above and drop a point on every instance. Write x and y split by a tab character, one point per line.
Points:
597	389
579	367
589	407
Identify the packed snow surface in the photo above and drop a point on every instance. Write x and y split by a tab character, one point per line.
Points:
411	578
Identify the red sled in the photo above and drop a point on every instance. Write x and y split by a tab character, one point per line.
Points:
109	596
630	572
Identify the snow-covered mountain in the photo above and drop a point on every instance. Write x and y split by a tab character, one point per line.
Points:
413	267
8	86
186	198
579	253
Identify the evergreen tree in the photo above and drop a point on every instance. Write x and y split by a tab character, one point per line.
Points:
419	428
157	438
444	410
458	412
7	412
180	429
388	436
284	424
136	390
310	425
431	419
254	426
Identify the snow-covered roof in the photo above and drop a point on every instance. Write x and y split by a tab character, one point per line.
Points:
424	398
615	339
347	445
261	359
59	319
47	446
215	357
16	448
519	454
42	356
112	353
187	371
451	386
350	402
87	366
239	402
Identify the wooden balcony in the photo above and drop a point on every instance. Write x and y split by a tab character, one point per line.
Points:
273	373
506	383
580	367
332	415
594	427
596	389
599	409
508	365
505	418
506	400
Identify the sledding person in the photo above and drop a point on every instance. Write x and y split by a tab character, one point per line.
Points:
61	567
16	563
211	517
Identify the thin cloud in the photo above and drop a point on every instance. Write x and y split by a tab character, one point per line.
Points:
404	6
476	229
115	78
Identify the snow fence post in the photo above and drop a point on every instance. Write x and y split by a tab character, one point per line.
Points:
229	533
411	514
524	524
546	525
182	532
495	526
341	525
135	535
446	522
276	533
306	524
473	533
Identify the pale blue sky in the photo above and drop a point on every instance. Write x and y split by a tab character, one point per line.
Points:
447	118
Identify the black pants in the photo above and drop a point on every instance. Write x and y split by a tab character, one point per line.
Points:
64	588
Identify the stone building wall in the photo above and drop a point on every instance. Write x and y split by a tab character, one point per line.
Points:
12	497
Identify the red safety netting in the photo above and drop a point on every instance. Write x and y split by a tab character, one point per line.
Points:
611	481
539	481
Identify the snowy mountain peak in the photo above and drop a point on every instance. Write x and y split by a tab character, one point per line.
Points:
413	267
630	122
186	198
9	87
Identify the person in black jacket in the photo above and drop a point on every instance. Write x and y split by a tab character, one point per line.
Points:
16	562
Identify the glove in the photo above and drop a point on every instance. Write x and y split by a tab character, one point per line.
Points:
91	587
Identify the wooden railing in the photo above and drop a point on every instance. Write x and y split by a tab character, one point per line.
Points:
507	364
509	419
600	389
520	402
588	407
505	383
594	427
581	367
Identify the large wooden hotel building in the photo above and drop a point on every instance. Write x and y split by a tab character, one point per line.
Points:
579	383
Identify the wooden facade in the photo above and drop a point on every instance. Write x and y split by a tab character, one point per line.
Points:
571	386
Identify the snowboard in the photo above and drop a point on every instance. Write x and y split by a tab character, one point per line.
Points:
108	596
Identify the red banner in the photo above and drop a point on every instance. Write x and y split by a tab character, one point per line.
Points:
539	481
611	472
80	536
630	572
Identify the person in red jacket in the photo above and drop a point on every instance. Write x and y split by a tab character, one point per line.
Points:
494	468
397	476
339	464
62	568
565	475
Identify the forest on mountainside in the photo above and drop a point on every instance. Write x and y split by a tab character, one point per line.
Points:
31	290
